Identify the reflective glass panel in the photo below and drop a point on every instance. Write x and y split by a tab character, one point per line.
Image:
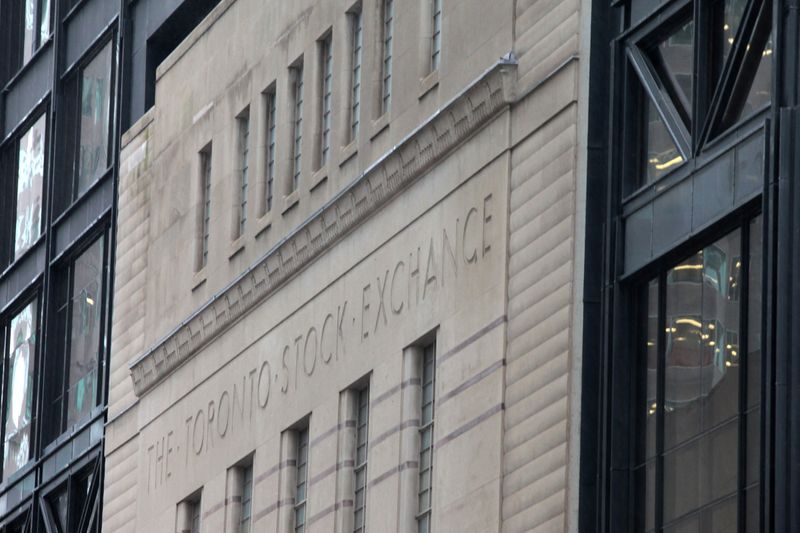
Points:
94	120
30	178
732	11
677	54
19	395
29	34
754	313
761	90
702	372
85	329
661	154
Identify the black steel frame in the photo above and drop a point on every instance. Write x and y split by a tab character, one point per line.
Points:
606	490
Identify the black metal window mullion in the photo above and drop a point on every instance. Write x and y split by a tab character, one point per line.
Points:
744	356
666	108
660	399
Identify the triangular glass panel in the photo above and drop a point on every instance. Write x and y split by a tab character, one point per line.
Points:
660	153
58	509
731	19
761	90
675	57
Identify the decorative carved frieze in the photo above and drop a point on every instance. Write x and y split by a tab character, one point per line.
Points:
403	165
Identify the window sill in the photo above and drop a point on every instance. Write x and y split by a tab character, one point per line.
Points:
199	279
319	177
290	201
348	152
379	125
263	224
428	84
236	247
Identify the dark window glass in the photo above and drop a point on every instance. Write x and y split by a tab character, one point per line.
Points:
18	399
86	325
690	441
36	27
72	375
95	105
660	152
761	90
30	179
675	54
59	505
731	15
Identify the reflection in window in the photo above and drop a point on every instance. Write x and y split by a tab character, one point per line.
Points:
19	390
676	54
732	12
37	27
85	329
94	120
700	407
761	90
30	176
661	154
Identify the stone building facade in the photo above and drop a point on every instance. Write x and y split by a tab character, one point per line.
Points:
349	272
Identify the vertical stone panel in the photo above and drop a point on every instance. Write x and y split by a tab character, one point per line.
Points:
541	226
127	336
546	35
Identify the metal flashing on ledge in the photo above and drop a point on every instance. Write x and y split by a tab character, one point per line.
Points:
444	131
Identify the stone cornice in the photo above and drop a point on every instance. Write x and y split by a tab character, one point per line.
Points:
404	164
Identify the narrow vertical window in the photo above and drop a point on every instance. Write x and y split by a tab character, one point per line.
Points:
36	27
244	138
327	90
426	441
362	448
388	35
195	517
18	401
30	178
297	149
247	499
85	332
270	166
357	21
94	121
205	202
436	37
301	487
188	514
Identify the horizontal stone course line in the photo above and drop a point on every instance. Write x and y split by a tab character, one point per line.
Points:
349	463
414	423
469	425
381	182
328	510
392	471
469	340
332	431
272	508
272	470
394	390
477	378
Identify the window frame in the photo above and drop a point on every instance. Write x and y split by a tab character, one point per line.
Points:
701	135
356	27
296	75
242	170
388	13
325	98
33	297
71	123
425	515
59	348
742	221
9	158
